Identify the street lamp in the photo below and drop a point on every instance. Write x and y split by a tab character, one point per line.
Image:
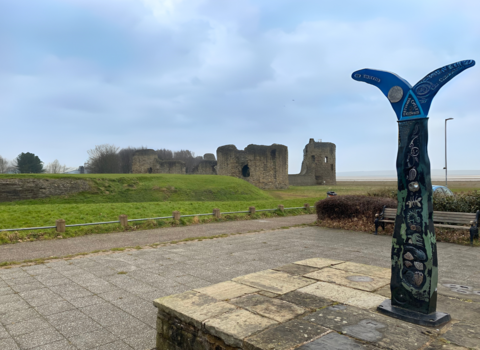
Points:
446	184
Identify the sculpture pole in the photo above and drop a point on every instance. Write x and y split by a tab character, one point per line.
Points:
414	250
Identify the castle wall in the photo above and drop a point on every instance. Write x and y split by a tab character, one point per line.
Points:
21	189
209	156
318	166
301	180
205	167
263	166
143	160
147	162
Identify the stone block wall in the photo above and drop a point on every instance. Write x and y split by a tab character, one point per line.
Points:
318	166
263	166
175	334
21	189
301	180
205	167
209	156
147	162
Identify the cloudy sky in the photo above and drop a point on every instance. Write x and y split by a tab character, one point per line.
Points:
198	74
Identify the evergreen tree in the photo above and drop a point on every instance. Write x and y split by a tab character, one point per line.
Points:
29	163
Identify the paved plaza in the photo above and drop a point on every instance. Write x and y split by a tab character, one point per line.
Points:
104	301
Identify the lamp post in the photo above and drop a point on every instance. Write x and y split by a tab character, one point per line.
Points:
446	184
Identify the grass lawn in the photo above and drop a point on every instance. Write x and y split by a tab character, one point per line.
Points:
138	196
146	196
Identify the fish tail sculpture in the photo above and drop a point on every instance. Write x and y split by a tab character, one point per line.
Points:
414	250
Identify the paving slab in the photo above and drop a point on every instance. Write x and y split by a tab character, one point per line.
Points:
8	344
285	336
335	341
89	243
344	295
443	344
211	261
305	300
349	279
278	310
459	290
464	334
192	307
273	281
226	290
318	262
363	269
372	327
459	309
296	269
384	291
234	326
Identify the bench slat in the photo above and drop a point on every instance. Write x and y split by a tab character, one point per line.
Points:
440	218
453	226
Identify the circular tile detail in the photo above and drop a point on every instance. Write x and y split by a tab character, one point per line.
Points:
360	278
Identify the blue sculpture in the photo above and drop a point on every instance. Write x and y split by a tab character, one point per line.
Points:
414	252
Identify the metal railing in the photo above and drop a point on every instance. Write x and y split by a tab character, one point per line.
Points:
156	218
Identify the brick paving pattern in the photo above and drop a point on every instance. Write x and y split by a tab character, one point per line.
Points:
105	301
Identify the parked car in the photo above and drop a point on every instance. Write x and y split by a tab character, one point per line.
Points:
442	190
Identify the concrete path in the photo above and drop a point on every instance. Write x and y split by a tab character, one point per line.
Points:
104	301
90	243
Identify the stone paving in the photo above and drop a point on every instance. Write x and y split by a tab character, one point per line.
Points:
104	301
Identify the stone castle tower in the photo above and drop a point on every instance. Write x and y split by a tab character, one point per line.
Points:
263	166
318	166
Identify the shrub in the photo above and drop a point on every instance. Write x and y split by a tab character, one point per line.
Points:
386	192
463	202
348	207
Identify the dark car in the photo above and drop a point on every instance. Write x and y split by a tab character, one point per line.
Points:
441	190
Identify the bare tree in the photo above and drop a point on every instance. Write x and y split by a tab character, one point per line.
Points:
103	159
164	154
188	157
56	168
4	165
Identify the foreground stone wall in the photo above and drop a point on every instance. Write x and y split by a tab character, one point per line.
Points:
147	162
263	166
318	166
21	189
310	304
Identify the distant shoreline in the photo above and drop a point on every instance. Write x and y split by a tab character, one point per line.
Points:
455	178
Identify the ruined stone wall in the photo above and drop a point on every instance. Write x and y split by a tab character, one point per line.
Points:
169	167
209	156
263	166
21	189
301	180
147	162
318	166
205	167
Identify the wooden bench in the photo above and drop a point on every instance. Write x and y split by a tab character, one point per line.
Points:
440	219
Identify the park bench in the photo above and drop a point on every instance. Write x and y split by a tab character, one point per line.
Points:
443	219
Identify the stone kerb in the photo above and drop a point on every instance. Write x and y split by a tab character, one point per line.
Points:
310	304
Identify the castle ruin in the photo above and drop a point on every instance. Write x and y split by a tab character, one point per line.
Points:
318	166
207	166
263	166
146	161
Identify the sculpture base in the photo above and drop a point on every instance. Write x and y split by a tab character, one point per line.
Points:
434	319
